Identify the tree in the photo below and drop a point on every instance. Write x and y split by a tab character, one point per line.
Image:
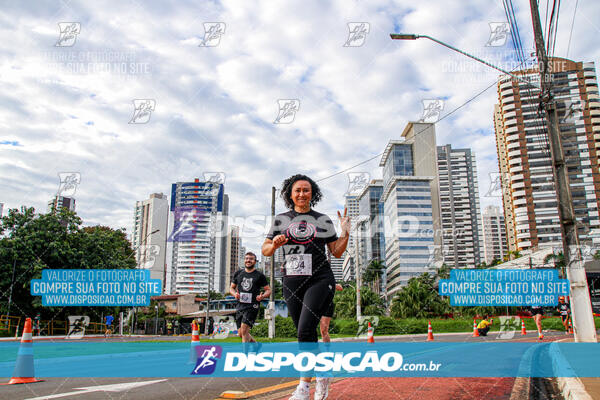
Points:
559	262
419	299
372	275
345	302
32	242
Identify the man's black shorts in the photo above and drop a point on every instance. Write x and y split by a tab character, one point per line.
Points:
564	317
330	309
246	316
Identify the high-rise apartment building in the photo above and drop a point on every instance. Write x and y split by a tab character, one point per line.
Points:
197	242
149	237
61	202
494	234
234	243
529	196
411	205
459	204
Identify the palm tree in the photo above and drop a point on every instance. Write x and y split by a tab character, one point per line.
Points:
559	262
372	275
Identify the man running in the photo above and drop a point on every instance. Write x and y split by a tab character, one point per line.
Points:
563	309
109	320
245	287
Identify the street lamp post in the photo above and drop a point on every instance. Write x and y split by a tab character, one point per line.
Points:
143	241
410	36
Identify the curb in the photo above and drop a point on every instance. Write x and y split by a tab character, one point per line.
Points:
571	387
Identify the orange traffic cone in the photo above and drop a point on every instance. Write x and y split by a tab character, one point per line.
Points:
370	334
195	342
23	372
523	331
429	332
570	327
475	331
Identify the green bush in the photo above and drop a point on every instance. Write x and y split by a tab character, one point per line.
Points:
284	328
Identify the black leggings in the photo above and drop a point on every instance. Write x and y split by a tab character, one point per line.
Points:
307	299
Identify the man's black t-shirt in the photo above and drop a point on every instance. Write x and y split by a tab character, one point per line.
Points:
248	285
563	308
307	235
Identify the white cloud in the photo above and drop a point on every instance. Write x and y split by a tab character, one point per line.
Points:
215	105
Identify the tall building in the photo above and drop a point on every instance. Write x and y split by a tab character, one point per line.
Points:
459	204
197	242
372	239
411	205
494	234
352	205
1	209
234	242
61	202
149	237
529	196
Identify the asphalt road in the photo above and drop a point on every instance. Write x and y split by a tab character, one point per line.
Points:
211	388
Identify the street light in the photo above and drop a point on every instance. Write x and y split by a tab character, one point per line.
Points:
411	36
133	309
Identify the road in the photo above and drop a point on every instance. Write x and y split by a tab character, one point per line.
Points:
342	389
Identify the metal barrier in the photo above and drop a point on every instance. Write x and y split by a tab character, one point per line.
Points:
9	324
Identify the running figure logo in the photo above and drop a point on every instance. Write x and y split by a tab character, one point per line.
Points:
207	359
498	35
212	34
357	35
432	109
143	109
68	33
287	111
68	183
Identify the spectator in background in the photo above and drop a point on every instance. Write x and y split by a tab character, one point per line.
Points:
108	321
484	326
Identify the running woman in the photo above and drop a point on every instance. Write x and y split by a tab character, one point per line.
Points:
245	287
308	282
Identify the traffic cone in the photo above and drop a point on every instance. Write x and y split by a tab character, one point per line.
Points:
475	331
523	331
370	334
570	327
23	372
195	342
429	332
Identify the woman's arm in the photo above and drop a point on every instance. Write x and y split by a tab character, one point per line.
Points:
338	246
269	246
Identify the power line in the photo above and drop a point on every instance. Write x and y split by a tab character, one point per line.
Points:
572	24
424	129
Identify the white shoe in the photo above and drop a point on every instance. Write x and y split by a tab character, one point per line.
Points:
300	394
322	390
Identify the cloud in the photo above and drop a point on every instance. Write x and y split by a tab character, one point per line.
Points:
68	108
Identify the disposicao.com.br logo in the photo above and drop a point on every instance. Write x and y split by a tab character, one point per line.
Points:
291	359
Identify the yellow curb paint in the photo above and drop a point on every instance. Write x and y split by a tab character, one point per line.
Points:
234	394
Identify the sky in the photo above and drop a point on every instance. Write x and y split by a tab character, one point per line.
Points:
73	73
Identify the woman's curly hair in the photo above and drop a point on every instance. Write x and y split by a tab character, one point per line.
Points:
286	190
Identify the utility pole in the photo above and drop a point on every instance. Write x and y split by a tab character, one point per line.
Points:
358	275
583	320
272	277
206	332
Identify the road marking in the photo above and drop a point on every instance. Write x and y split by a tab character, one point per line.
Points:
118	387
230	394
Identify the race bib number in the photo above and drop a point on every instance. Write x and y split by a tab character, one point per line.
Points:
245	297
298	264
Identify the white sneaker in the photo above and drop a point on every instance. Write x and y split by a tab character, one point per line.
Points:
322	390
300	394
